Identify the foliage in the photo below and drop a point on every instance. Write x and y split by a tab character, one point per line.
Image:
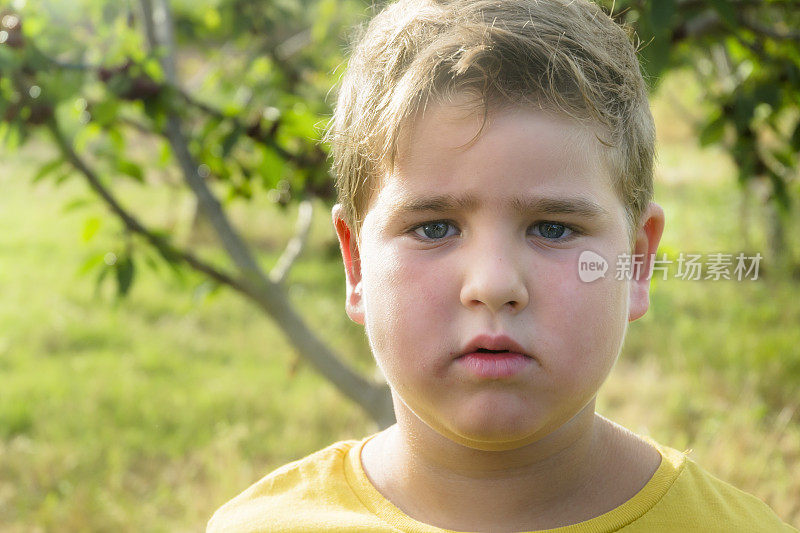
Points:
257	76
746	55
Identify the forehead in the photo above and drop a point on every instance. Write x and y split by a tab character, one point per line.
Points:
453	156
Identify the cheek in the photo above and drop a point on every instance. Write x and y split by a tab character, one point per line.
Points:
396	283
382	304
405	303
586	321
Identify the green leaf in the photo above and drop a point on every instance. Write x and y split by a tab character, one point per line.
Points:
91	263
164	154
785	157
63	176
76	203
117	140
211	18
47	168
152	68
90	228
131	169
11	135
125	270
85	136
106	111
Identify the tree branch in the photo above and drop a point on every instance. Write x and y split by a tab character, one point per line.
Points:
164	248
265	137
255	132
295	246
372	397
229	237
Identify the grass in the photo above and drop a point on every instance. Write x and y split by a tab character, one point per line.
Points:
146	414
142	414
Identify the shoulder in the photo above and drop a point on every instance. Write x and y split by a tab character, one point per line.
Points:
698	501
294	497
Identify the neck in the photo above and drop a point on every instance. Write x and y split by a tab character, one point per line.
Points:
447	484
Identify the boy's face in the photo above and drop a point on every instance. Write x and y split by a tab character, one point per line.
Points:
466	239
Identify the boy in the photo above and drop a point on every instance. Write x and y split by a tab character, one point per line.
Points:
480	146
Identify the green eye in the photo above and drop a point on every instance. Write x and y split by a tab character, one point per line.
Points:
552	230
433	230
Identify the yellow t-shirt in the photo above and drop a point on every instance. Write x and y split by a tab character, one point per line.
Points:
329	491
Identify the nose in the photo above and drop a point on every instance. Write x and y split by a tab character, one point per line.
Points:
492	278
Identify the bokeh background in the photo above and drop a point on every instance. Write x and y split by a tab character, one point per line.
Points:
169	273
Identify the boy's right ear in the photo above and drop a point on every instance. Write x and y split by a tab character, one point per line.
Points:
354	302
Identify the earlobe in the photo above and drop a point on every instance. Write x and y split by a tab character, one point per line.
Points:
647	238
354	302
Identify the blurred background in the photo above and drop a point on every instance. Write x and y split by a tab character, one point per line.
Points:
172	294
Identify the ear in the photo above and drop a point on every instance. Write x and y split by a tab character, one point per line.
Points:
648	236
354	303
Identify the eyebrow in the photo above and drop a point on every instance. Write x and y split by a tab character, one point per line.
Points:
546	205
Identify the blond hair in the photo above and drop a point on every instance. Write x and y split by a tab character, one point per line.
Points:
561	55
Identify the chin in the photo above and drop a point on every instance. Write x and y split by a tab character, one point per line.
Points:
495	442
494	431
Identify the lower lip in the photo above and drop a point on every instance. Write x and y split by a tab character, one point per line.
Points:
495	365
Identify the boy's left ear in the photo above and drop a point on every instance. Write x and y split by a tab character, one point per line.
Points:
648	236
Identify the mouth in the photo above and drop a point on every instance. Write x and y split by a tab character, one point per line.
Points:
493	345
494	357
